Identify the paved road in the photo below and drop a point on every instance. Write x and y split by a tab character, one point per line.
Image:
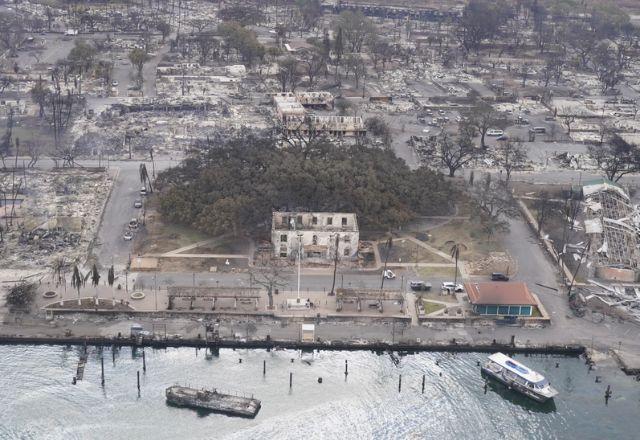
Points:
308	281
112	248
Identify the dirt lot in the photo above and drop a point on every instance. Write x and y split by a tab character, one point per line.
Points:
160	237
404	251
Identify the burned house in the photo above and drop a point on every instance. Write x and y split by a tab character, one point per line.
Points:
315	234
611	223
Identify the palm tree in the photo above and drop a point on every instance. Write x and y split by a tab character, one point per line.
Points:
95	280
110	280
454	251
77	281
153	163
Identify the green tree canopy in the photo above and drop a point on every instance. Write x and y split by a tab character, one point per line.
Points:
234	186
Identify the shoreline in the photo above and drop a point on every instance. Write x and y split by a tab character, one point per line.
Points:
558	349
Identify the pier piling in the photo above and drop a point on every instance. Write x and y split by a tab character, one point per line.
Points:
607	395
138	374
400	383
290	380
144	362
264	368
113	354
102	370
346	367
423	377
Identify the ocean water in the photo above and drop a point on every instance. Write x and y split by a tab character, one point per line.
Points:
38	400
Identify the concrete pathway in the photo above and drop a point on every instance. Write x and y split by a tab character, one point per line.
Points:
188	247
411	308
427	247
171	255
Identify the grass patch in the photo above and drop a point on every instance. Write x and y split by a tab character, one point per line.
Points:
430	307
434	295
435	272
468	232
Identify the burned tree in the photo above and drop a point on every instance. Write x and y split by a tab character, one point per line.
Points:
542	206
455	152
58	109
207	46
138	58
616	158
609	61
39	94
287	75
7	139
511	155
21	295
494	205
11	32
314	63
272	278
482	118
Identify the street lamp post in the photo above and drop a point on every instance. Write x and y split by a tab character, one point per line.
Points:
299	261
155	290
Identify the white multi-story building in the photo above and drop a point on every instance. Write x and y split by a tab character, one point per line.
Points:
315	233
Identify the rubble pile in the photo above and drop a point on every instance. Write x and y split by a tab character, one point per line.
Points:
55	214
494	262
622	301
49	240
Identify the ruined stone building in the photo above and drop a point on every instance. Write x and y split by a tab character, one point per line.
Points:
611	223
291	109
316	233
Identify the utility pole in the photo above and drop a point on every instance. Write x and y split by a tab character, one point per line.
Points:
335	266
575	272
389	243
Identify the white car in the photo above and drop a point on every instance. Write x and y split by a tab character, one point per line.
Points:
388	275
494	132
449	287
128	236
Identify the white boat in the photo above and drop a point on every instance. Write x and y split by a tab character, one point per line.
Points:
519	377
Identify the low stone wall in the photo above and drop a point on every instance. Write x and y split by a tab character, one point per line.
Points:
615	274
